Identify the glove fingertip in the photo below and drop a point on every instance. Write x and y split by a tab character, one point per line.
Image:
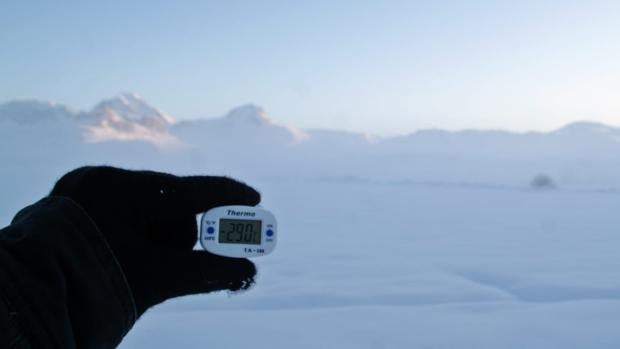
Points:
205	192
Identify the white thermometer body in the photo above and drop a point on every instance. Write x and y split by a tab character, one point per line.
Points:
238	231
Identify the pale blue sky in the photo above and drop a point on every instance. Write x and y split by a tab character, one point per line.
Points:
383	67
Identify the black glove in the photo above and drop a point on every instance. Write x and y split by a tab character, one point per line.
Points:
149	221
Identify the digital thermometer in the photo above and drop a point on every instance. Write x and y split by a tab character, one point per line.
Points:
238	231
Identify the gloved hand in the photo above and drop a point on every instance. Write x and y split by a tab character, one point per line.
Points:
149	221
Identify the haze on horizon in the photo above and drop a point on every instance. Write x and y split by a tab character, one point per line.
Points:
382	67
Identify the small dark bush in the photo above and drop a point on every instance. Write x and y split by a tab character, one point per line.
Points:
542	181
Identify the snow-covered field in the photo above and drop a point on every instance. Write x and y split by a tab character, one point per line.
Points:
405	266
433	240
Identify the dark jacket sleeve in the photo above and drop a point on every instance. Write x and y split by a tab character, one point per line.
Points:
60	284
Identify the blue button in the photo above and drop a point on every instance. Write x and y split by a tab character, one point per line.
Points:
269	232
210	230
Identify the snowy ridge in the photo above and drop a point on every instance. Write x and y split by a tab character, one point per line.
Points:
249	113
28	112
587	128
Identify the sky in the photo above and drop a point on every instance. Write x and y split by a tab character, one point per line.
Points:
381	67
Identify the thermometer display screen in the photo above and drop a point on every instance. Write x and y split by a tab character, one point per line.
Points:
240	231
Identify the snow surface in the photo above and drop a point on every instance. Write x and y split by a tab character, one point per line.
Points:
432	240
408	266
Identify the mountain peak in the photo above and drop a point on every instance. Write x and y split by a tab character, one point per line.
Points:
127	117
248	113
586	127
131	107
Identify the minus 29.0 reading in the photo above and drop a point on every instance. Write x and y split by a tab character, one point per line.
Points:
240	231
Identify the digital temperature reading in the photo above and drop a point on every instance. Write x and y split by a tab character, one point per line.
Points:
234	231
238	231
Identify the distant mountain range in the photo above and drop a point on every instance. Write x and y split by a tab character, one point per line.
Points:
127	131
129	117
